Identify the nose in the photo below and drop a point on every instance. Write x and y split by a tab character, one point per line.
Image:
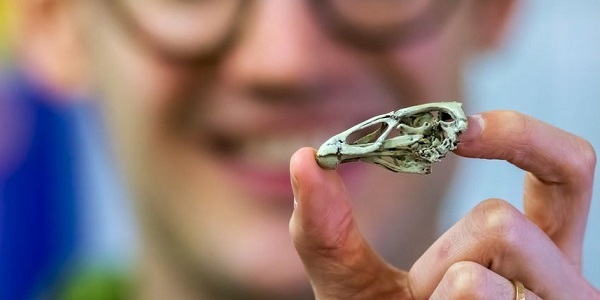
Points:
278	52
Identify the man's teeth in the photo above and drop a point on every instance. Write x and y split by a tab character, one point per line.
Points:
276	151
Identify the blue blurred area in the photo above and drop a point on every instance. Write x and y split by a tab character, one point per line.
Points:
62	204
38	212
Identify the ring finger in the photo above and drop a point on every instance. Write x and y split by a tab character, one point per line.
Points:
496	235
469	280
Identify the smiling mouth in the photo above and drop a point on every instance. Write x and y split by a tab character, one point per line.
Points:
255	165
266	153
250	149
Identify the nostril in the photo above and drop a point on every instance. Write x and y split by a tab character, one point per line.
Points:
283	93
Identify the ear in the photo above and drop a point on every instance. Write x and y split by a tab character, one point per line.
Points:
49	42
490	21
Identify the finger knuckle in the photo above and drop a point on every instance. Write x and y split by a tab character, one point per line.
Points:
585	158
310	236
516	123
519	127
498	219
465	280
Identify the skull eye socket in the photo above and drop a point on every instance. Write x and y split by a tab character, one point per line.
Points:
367	134
446	117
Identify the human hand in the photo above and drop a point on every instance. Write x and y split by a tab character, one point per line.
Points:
479	256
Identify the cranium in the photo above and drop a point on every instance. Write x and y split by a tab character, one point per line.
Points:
407	140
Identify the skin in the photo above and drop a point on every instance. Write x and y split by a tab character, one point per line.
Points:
214	219
49	46
490	245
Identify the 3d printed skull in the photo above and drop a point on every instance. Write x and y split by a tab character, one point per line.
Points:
407	140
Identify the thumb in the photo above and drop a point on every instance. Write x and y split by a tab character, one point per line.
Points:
337	258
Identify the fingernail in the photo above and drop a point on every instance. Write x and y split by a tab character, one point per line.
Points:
294	190
474	129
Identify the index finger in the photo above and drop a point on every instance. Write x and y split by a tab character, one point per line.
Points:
338	260
559	165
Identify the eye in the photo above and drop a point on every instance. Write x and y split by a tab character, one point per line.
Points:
446	117
378	14
185	26
377	24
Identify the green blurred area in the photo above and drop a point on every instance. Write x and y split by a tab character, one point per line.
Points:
95	284
7	27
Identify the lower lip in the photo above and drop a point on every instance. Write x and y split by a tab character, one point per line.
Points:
254	179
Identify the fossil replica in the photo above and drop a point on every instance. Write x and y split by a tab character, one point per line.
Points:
407	140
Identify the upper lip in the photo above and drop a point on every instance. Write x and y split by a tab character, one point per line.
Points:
247	120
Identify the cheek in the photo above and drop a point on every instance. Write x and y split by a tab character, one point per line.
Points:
434	69
397	212
138	96
138	85
436	62
133	80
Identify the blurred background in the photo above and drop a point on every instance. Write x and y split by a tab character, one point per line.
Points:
550	69
55	218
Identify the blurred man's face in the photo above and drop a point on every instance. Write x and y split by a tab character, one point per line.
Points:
207	101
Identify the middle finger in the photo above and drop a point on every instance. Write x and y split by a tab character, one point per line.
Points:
496	235
559	165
